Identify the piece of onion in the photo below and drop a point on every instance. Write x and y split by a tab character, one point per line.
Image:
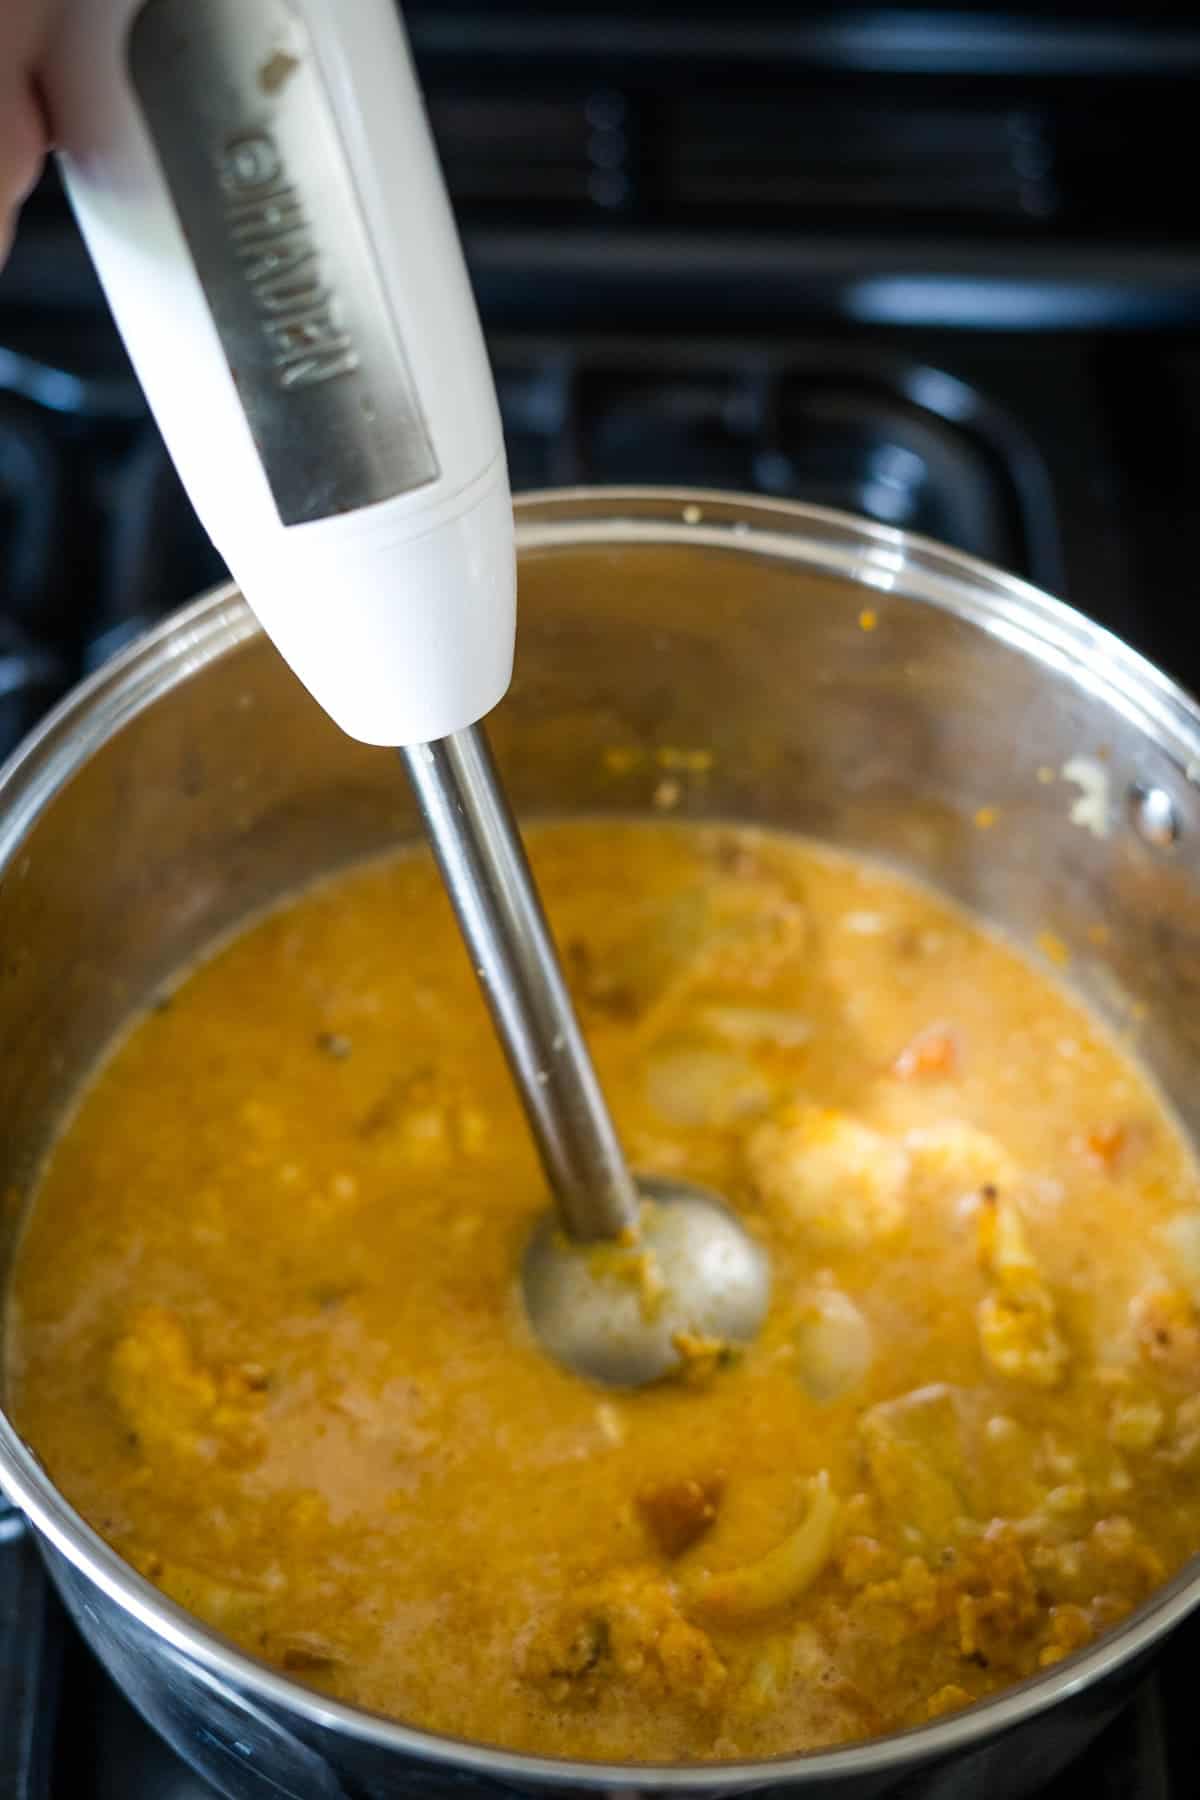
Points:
700	1086
777	1025
756	1589
833	1345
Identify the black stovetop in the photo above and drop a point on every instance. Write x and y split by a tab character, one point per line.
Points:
882	261
1066	457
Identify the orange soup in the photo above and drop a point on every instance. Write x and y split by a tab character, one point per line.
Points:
266	1334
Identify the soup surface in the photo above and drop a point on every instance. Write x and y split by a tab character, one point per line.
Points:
265	1332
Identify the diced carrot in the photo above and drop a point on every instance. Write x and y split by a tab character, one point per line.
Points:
931	1053
1106	1144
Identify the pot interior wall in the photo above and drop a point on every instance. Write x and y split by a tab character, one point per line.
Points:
871	719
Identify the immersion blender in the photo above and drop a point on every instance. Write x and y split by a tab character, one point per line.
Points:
259	191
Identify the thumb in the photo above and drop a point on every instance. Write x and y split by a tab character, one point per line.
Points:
22	149
23	135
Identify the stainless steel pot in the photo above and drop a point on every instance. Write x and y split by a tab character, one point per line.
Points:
853	683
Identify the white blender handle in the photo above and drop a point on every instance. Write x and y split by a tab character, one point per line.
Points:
257	185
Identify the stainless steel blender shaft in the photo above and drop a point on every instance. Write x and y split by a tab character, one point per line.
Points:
487	876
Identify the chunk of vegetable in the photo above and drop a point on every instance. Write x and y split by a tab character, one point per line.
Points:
959	1157
726	932
677	1514
1018	1332
624	1629
843	1184
174	1405
947	1699
1135	1422
788	1656
756	926
757	1589
1106	1145
1166	1328
833	1344
697	1085
916	1452
931	1054
228	1604
785	1029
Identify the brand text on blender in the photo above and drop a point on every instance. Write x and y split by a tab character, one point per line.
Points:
282	267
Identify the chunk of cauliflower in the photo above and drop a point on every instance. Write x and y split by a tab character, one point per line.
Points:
625	1629
175	1405
1018	1329
838	1181
959	1158
1166	1330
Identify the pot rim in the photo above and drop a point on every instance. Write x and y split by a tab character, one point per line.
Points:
875	557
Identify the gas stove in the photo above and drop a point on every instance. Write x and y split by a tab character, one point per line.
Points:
927	267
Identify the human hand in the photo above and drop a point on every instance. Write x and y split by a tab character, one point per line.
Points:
24	25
